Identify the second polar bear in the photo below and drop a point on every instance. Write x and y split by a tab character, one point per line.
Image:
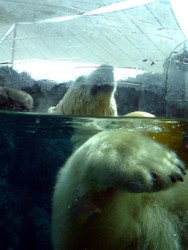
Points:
91	95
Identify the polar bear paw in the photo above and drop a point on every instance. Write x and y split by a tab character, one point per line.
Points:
151	166
155	173
131	162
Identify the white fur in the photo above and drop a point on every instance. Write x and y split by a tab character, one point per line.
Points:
91	95
145	211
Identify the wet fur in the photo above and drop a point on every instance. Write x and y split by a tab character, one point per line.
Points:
121	190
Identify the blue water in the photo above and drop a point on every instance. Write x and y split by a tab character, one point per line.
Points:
33	148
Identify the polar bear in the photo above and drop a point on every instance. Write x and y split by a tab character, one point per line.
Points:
121	190
91	95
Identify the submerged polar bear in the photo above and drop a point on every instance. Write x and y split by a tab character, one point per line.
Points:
121	190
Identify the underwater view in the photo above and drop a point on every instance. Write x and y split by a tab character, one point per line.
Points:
35	146
93	125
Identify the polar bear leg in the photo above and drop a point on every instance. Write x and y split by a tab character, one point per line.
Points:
132	164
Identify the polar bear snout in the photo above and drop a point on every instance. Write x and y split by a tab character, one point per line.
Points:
101	88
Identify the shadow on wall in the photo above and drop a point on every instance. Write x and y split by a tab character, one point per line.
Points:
145	92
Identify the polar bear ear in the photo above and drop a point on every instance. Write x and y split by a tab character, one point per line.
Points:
139	114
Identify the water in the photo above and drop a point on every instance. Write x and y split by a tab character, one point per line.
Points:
34	146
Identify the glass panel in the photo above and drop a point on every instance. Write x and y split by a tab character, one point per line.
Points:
75	70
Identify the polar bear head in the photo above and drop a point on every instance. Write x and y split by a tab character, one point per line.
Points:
91	95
